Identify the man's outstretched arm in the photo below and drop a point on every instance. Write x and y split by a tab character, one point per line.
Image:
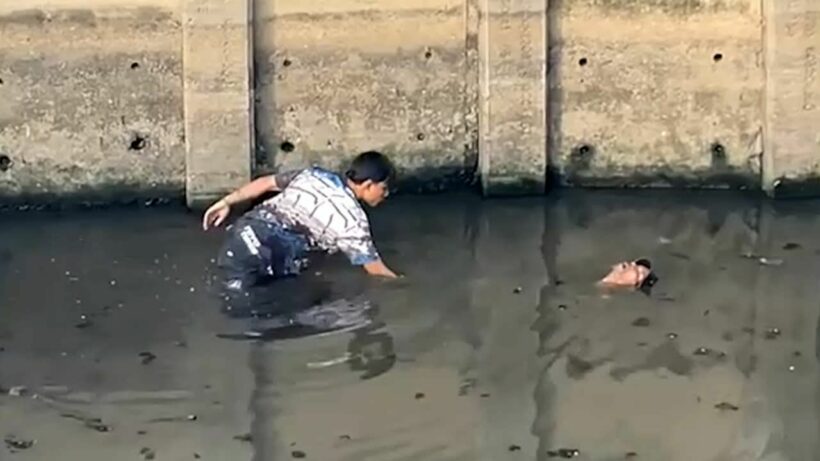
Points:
361	251
219	211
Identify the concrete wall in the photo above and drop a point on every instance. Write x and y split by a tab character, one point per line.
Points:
336	80
649	95
599	92
91	100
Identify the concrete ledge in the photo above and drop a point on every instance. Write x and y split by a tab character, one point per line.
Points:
513	96
219	111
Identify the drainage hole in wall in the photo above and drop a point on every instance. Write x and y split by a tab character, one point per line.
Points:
137	142
135	65
420	136
718	150
581	157
582	62
718	155
5	162
1	81
286	62
428	54
287	146
717	57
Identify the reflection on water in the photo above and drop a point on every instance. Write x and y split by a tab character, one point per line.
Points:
498	345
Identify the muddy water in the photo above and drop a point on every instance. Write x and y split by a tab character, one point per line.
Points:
496	346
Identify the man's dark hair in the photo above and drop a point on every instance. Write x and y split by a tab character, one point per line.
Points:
650	280
370	165
644	262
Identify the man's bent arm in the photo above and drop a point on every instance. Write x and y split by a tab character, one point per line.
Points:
259	186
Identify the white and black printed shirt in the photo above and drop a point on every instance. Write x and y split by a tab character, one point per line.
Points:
318	203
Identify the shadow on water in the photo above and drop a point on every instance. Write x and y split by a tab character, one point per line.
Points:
496	346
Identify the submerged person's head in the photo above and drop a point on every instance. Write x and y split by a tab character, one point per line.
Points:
368	176
637	274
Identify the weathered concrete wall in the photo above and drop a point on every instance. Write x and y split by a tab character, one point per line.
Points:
338	78
656	95
599	92
90	100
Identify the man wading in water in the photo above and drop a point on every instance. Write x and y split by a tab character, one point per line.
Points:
314	210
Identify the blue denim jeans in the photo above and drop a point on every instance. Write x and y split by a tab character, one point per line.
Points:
257	250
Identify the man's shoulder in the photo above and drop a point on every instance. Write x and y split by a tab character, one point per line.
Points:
321	179
341	195
325	174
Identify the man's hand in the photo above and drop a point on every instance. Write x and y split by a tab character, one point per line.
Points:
378	268
220	210
216	214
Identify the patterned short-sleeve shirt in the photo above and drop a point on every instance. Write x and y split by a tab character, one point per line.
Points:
318	204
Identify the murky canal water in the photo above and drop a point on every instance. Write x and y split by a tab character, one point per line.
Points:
497	345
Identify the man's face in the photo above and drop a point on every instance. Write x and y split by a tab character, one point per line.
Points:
374	193
626	274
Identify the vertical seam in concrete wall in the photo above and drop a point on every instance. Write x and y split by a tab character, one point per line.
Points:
545	39
483	116
186	85
768	36
471	89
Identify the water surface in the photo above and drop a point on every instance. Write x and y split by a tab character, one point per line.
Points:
496	346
